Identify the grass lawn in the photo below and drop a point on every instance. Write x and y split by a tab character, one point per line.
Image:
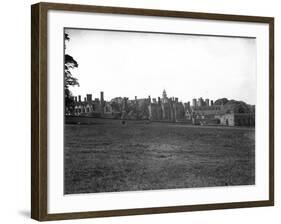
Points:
115	157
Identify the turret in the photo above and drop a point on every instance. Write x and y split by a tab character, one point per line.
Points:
164	95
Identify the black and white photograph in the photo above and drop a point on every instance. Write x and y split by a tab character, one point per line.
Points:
153	111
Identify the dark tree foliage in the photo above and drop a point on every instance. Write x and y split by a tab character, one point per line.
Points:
235	106
69	64
66	37
221	101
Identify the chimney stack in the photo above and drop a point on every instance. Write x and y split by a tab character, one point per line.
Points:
194	102
79	98
212	102
200	102
176	99
101	98
159	100
89	97
207	102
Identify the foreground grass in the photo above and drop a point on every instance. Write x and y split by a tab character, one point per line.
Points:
112	157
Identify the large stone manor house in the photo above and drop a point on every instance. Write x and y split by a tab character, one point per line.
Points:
167	109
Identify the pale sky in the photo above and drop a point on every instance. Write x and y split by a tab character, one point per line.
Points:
140	64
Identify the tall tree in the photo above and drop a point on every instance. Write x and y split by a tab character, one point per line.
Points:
69	80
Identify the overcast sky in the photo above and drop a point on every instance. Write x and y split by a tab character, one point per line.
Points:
140	64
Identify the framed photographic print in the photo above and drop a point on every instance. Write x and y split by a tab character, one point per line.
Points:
142	111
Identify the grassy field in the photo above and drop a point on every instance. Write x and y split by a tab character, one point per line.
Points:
115	157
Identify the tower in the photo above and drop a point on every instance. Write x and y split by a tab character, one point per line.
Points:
164	94
164	97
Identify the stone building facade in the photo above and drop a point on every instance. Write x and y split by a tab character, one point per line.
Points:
166	109
233	113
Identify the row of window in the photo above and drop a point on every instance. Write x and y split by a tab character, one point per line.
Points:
89	109
207	108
